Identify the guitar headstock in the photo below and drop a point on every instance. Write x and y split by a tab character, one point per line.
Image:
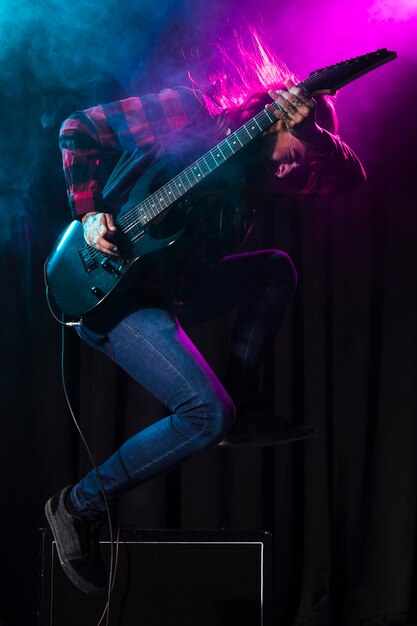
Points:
329	79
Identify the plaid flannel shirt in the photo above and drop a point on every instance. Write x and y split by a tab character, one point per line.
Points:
87	136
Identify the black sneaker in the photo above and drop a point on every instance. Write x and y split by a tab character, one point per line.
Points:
77	544
256	426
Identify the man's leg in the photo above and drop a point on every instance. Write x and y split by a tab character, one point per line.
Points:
151	346
153	349
262	283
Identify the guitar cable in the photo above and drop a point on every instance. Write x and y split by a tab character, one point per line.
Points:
112	572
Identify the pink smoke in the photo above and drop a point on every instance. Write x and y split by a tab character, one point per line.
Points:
249	67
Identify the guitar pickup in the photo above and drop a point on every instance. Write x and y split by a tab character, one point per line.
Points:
87	258
107	265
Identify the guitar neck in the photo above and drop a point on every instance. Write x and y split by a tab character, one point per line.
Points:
323	81
205	165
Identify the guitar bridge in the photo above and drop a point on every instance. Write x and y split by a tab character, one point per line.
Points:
88	259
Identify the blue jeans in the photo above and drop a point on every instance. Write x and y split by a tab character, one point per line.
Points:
149	343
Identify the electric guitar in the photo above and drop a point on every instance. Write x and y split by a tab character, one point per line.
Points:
85	283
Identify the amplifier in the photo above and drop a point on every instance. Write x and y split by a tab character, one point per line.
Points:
169	578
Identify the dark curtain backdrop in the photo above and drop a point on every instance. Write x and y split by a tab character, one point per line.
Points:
341	507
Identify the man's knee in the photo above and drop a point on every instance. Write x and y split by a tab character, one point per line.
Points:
224	412
283	268
211	417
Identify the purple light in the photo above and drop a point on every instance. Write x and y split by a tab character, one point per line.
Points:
395	10
244	67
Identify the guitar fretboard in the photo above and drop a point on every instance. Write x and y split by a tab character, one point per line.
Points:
205	165
329	78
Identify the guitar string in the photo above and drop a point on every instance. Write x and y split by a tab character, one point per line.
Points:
150	210
137	212
167	189
144	209
184	181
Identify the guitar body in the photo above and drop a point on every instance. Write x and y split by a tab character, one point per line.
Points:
85	282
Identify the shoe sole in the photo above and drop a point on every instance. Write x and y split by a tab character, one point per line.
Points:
262	440
79	582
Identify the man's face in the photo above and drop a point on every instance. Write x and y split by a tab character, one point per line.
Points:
287	151
277	143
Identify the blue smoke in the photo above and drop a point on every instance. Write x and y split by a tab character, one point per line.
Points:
55	57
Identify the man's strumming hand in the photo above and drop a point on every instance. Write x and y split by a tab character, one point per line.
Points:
99	232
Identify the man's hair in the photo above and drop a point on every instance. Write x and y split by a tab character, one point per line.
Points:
243	73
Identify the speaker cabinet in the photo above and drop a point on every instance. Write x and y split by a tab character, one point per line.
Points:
169	578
